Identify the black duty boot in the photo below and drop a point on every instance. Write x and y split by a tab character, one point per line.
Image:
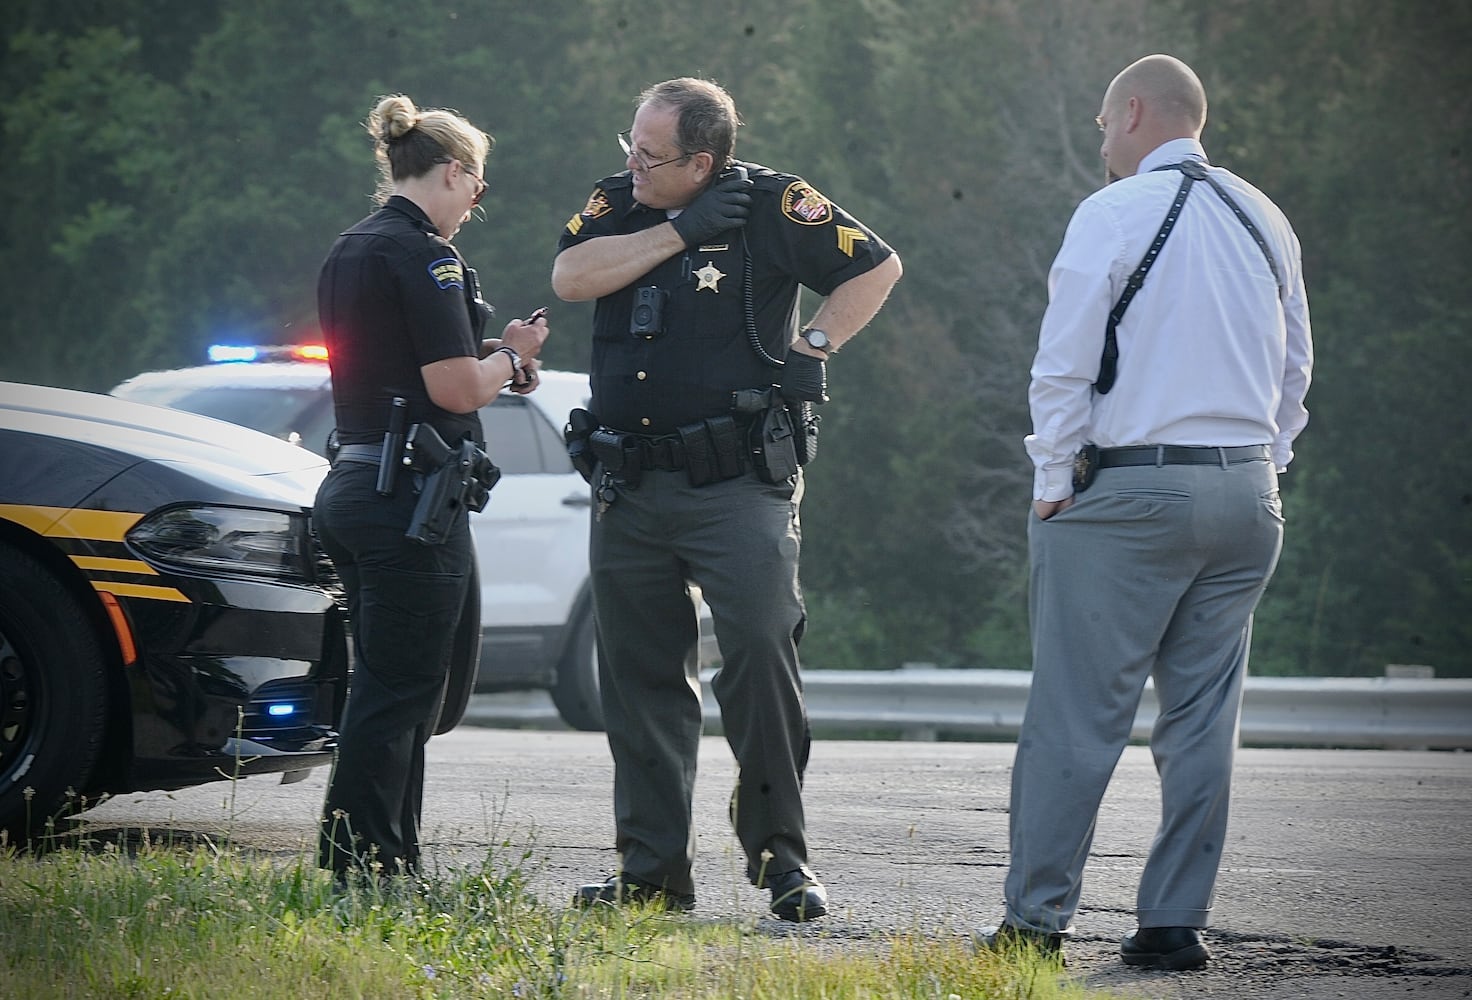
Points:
625	890
797	895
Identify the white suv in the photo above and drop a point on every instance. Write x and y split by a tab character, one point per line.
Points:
532	538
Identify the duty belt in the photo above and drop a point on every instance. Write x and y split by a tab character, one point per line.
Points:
362	454
665	452
707	451
1174	454
628	452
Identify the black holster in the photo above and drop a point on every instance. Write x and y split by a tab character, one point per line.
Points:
772	437
456	480
1085	467
575	433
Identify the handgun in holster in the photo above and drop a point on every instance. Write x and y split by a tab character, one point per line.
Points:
772	436
456	479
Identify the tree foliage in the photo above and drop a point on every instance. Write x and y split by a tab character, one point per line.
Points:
177	170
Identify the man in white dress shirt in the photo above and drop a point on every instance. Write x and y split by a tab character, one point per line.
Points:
1157	519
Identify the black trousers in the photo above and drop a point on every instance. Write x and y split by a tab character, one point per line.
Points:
405	601
739	540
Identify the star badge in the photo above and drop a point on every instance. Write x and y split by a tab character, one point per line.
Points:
708	276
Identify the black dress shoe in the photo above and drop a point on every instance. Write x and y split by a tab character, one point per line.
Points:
1007	937
625	890
797	895
1173	948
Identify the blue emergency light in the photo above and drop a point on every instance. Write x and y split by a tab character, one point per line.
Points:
231	352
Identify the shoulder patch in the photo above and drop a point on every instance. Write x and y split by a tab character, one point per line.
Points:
447	273
804	205
597	205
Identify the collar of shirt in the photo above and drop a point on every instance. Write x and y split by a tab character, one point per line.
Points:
401	204
1173	151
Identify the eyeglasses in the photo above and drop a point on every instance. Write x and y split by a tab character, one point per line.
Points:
644	164
480	189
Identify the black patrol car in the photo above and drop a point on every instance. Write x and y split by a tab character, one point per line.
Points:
166	618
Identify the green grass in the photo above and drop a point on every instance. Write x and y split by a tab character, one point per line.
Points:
196	920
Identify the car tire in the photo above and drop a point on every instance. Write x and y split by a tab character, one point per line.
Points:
464	660
53	697
576	690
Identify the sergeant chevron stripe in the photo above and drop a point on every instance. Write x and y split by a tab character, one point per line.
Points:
848	236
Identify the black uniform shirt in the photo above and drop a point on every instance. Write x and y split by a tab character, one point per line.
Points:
795	236
391	298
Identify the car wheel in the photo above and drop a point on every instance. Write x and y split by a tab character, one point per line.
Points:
576	691
464	660
53	697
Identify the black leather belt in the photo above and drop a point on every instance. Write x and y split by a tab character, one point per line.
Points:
363	454
1175	454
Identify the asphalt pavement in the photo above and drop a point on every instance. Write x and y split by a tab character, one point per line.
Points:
1347	873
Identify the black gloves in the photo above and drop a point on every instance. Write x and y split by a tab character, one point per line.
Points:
804	378
720	207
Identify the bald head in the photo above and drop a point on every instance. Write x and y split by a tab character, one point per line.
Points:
1151	101
1168	87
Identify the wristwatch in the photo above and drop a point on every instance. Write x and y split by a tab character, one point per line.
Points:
817	339
515	357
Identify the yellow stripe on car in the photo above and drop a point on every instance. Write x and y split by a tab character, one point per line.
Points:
139	590
99	526
63	522
38	519
102	525
115	565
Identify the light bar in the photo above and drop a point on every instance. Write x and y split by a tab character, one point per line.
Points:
232	352
218	353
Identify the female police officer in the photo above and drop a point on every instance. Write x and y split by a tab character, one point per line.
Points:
402	318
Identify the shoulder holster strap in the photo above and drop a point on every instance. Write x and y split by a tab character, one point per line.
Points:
1191	171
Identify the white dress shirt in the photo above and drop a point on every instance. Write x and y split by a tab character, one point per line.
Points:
1212	351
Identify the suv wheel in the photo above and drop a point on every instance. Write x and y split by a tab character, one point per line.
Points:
53	697
464	660
576	691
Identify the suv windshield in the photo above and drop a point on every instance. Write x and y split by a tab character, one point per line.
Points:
301	416
520	439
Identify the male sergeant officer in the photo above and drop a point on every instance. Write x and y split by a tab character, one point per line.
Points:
676	249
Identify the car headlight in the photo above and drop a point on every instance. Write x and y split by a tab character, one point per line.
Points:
232	540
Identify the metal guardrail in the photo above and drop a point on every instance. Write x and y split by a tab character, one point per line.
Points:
929	703
1277	711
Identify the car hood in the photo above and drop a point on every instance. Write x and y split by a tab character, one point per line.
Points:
212	449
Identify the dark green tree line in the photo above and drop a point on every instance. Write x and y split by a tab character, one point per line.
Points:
177	169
